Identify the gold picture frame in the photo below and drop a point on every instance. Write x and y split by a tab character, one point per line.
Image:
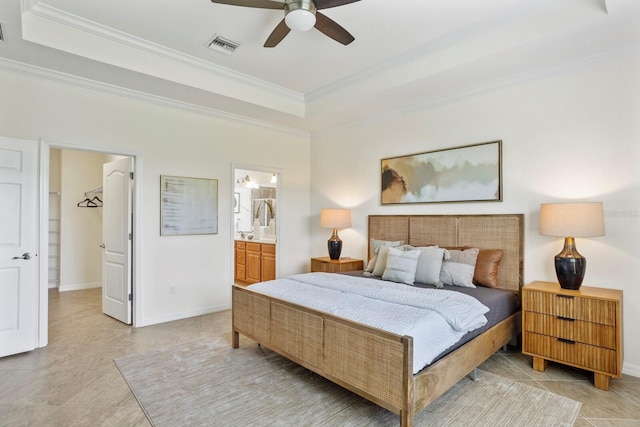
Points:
469	173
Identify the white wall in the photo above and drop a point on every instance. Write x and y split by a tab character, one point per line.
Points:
570	136
173	142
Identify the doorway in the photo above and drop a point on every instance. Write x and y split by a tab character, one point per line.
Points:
255	228
75	219
71	238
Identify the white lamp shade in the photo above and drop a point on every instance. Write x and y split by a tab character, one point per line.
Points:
300	20
335	218
572	219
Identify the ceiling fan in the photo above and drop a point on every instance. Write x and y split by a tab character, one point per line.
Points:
299	15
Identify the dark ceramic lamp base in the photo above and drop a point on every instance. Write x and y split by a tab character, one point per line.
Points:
334	244
570	272
570	266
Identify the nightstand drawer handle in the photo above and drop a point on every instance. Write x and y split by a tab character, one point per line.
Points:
569	319
565	296
564	340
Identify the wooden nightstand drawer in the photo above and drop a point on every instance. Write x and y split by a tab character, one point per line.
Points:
573	307
582	328
577	354
574	330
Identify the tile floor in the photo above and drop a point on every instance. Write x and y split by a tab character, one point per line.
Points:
74	382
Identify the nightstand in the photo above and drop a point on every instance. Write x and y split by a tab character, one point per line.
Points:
328	265
581	328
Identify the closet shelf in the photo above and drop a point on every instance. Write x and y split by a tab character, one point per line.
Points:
95	192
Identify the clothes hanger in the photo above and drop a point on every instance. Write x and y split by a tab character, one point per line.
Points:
87	204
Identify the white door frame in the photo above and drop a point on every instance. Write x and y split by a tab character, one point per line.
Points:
279	173
43	276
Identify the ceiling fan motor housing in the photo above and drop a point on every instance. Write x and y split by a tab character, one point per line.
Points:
300	15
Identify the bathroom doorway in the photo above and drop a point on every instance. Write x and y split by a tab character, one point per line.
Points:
255	224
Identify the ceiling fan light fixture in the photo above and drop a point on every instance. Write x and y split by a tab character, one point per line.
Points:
300	15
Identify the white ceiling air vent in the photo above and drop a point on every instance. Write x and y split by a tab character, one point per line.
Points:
221	44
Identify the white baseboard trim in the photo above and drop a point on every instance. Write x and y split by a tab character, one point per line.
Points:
629	369
183	315
53	285
79	286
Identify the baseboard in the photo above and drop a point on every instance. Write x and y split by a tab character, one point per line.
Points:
629	369
80	286
183	315
53	285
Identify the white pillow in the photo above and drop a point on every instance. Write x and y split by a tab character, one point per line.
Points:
459	269
457	274
381	261
375	246
372	262
429	264
401	266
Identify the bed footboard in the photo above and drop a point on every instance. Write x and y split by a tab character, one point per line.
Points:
371	362
430	383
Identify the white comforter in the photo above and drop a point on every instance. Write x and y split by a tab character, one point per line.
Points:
435	318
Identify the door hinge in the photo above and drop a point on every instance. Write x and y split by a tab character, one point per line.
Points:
130	175
130	297
130	236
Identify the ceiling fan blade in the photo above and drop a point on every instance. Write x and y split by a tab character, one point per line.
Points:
332	29
326	4
277	34
262	4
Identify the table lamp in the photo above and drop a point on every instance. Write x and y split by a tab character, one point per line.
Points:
335	218
570	220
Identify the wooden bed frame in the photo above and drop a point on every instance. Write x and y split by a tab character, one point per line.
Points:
374	363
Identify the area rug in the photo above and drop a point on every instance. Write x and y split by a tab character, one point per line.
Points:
210	384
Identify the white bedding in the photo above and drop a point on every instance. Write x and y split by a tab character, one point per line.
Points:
435	318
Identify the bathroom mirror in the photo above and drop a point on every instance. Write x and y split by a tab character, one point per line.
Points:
255	204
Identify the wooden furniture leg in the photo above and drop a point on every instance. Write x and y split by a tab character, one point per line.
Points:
235	339
539	364
601	381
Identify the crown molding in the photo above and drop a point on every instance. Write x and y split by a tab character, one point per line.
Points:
60	18
548	71
532	75
431	48
33	71
537	74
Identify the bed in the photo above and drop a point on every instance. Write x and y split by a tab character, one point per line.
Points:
374	363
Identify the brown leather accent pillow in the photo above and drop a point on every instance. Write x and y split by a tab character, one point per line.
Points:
486	272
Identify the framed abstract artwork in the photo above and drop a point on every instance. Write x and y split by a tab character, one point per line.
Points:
188	206
470	173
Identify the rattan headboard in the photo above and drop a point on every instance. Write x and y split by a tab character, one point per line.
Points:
500	231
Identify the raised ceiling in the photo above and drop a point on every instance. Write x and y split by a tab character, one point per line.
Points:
405	55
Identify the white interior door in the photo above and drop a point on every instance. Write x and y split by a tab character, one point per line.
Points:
117	239
18	245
